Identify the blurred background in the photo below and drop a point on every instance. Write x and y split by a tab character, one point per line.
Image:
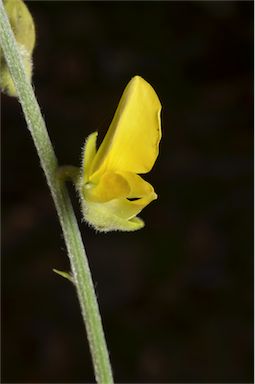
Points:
176	297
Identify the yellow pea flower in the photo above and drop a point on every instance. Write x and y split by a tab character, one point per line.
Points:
112	192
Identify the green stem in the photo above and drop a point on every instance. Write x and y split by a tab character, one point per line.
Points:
78	260
69	173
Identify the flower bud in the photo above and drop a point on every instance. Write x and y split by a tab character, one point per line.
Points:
24	31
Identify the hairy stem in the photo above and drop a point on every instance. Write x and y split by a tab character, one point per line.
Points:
76	252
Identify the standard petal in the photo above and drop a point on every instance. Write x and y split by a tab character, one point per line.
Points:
132	141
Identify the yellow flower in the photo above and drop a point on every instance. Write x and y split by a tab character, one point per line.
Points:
112	193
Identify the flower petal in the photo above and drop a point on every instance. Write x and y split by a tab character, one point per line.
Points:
132	141
110	186
138	186
127	209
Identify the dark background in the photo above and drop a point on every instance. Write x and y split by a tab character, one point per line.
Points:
176	297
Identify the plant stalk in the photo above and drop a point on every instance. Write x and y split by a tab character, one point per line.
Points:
76	252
